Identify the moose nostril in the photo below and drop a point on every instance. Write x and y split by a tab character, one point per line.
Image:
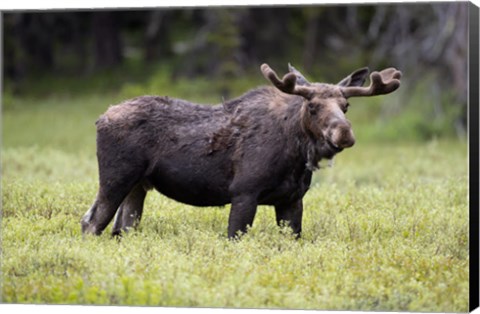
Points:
342	137
348	142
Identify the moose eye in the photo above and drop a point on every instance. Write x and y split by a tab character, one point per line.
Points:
345	107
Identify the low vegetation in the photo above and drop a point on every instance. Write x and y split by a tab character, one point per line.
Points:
386	228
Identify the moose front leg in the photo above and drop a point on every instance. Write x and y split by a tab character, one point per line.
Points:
291	214
242	214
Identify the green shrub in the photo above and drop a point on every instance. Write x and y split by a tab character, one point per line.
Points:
385	229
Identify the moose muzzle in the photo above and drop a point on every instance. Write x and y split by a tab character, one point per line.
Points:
340	135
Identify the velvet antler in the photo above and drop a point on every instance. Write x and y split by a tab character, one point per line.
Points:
288	84
383	82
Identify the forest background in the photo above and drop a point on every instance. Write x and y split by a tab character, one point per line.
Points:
385	229
137	51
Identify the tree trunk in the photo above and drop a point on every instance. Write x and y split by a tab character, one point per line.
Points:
157	41
107	44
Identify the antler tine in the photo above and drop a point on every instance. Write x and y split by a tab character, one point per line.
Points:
383	82
288	84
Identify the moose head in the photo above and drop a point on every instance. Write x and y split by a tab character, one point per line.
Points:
325	105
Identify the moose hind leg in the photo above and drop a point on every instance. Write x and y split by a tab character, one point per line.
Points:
88	216
114	188
130	212
121	166
104	209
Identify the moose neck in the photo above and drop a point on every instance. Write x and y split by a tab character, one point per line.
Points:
288	114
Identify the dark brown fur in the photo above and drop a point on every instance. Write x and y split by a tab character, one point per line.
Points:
260	148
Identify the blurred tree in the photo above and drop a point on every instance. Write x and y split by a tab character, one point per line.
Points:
31	47
71	42
419	39
223	45
157	36
106	38
12	52
222	42
265	35
312	31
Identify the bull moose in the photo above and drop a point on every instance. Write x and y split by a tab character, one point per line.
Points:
258	149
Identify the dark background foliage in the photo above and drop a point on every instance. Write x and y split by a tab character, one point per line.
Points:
427	41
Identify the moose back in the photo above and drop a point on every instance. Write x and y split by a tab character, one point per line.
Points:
258	149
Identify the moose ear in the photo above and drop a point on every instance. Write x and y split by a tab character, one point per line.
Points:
301	80
357	78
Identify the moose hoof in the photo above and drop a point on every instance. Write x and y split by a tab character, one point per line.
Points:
88	228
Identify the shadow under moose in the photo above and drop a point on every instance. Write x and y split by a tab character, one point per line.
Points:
258	149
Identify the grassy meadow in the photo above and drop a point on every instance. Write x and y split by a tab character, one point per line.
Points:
386	228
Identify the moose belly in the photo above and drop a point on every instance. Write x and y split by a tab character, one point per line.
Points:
200	182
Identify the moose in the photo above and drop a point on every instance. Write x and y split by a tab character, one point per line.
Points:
258	149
